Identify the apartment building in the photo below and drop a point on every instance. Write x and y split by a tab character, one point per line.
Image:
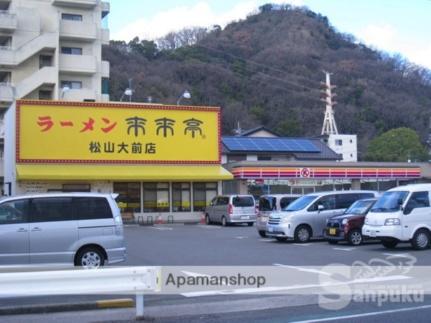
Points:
52	50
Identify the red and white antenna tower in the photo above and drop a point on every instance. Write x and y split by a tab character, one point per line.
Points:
329	125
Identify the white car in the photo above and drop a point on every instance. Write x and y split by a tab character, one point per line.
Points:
402	214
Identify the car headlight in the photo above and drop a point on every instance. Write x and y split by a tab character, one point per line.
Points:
344	222
366	220
392	221
284	220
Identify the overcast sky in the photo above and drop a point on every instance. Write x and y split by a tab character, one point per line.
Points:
396	26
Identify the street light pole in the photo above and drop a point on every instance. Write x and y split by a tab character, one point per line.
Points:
186	95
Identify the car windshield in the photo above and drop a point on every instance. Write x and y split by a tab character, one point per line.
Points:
243	201
360	207
300	203
390	201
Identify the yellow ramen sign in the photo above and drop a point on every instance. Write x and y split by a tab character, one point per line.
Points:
72	132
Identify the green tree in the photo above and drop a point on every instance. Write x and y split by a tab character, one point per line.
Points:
397	145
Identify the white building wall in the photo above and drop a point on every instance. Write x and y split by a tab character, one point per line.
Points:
346	145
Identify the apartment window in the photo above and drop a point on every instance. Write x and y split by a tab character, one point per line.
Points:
338	142
181	197
45	95
5	77
71	50
45	60
73	85
203	193
129	196
71	16
156	197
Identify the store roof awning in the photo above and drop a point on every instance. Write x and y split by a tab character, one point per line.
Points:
122	172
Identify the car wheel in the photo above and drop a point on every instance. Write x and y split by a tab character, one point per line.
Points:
302	234
90	258
421	240
390	244
207	220
250	224
332	241
262	234
223	221
355	237
281	239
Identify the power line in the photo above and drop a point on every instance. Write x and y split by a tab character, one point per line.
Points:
252	62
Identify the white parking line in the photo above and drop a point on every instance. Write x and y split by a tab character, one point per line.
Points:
302	244
209	227
267	240
307	270
345	317
241	237
344	249
401	255
162	228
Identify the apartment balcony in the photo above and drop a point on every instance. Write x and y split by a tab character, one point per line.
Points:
86	4
78	64
105	69
104	36
80	95
8	21
77	30
6	94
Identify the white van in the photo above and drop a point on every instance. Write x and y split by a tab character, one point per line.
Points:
269	204
402	214
81	229
306	217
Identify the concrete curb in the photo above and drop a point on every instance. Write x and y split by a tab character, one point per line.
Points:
67	307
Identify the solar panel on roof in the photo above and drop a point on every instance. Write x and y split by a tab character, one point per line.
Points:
269	144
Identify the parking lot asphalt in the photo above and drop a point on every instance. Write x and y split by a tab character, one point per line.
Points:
202	245
213	245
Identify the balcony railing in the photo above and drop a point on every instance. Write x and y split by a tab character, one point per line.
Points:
8	21
78	30
6	92
76	3
78	64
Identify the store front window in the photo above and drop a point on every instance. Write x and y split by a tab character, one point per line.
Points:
181	197
156	197
129	198
203	193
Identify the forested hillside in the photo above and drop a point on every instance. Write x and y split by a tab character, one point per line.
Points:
267	69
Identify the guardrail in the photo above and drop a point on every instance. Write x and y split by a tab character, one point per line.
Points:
122	280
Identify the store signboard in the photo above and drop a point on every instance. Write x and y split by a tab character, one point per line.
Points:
81	132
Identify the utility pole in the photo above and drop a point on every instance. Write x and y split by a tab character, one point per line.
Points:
329	125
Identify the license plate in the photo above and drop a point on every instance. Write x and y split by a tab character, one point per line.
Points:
270	229
332	231
245	217
372	233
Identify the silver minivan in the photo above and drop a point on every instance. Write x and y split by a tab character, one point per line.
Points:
83	229
271	203
229	209
306	217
